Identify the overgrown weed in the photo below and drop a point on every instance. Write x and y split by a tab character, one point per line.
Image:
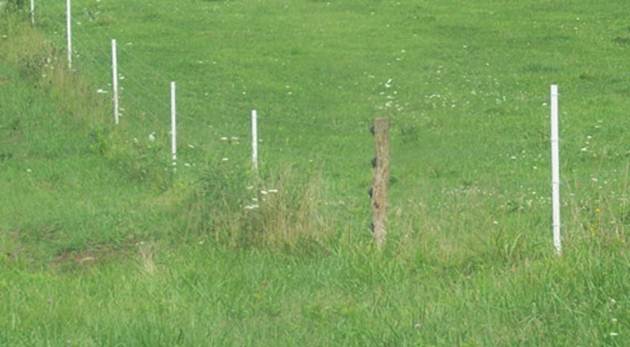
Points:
283	211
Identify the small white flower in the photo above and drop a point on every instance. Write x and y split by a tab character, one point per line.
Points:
613	334
101	91
273	191
225	159
152	136
263	192
224	138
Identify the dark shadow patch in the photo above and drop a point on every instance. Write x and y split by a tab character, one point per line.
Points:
550	39
586	76
70	260
540	69
5	156
622	40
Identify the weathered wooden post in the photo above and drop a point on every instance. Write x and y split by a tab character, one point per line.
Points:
378	192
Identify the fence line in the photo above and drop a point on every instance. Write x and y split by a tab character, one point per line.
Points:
144	69
32	12
69	32
115	81
555	170
173	125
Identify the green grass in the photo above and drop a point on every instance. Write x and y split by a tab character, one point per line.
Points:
102	244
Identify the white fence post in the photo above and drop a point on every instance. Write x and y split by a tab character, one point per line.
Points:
115	81
555	170
173	125
32	12
254	140
69	31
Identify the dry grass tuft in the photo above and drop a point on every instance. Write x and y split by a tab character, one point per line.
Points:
146	251
284	211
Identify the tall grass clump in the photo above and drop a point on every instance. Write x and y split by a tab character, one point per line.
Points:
282	211
44	65
39	61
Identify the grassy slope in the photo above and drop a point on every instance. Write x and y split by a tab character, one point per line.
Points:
78	204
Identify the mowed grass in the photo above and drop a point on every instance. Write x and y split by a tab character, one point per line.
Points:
102	244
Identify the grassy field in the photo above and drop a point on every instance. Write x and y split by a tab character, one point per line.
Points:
101	243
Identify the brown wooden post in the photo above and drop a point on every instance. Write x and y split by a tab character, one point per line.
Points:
381	179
